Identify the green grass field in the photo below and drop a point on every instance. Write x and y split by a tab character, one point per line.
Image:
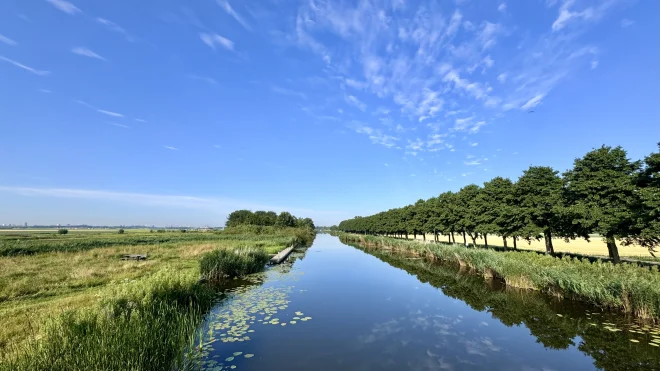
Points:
58	275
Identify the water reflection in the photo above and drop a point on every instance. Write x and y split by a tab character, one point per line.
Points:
555	324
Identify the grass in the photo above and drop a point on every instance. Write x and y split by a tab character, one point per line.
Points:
35	289
220	264
625	287
138	325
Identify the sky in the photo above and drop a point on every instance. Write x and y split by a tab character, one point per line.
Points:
176	112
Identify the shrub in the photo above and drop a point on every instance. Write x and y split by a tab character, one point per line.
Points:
121	231
182	230
224	263
62	231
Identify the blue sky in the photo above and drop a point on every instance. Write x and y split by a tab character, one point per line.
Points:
178	112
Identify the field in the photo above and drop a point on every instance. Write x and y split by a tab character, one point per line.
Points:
595	246
58	275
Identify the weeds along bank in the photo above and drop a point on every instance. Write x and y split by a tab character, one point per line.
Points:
626	287
123	315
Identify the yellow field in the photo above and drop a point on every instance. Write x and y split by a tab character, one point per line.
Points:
595	246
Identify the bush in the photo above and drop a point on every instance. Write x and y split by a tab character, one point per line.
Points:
121	231
62	231
161	231
224	263
182	230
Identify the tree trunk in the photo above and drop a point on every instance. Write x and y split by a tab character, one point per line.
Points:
485	240
504	240
406	235
424	237
464	240
548	242
453	237
515	245
474	239
612	249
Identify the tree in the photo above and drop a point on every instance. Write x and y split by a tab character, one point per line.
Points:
120	231
305	223
239	217
285	219
466	207
601	186
62	231
539	191
647	209
492	204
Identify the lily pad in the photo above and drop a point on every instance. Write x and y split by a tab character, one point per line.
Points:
229	359
249	355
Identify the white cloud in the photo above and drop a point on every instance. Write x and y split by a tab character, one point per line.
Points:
625	23
533	102
206	79
502	77
224	4
171	148
502	7
375	135
355	84
115	28
594	65
119	125
284	91
86	53
218	204
474	144
45	91
354	101
8	41
65	6
27	68
213	40
140	120
110	113
567	15
472	163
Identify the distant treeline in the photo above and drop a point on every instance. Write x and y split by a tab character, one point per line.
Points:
267	218
604	193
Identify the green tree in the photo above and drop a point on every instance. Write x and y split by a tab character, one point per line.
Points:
239	217
601	186
467	208
285	219
62	231
539	191
492	203
647	209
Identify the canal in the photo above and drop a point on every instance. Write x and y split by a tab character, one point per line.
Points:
337	307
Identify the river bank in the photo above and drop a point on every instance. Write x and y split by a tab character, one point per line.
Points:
624	287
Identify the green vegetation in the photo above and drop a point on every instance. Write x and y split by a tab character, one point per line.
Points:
267	218
142	325
604	193
224	263
62	231
626	287
70	302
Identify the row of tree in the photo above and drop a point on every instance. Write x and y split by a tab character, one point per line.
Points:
267	218
604	193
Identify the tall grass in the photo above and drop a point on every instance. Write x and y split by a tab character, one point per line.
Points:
140	325
626	287
228	263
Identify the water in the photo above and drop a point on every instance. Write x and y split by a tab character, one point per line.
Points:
372	311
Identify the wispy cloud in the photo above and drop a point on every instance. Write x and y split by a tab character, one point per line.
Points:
594	65
110	113
86	53
112	26
27	68
567	14
354	101
217	204
206	79
224	4
502	7
4	39
46	91
535	101
119	125
625	23
284	91
214	40
171	148
375	135
140	120
65	6
105	112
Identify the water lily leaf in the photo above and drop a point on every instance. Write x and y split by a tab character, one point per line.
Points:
229	359
237	353
634	341
249	355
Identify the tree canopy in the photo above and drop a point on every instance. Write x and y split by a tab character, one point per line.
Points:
603	193
267	218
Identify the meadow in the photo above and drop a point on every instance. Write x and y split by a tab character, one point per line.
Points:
626	287
65	282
